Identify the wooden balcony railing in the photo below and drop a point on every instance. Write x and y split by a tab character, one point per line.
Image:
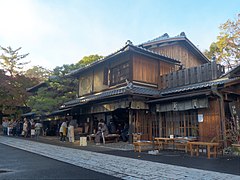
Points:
205	72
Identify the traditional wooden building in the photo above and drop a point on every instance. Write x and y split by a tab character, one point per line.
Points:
118	86
163	87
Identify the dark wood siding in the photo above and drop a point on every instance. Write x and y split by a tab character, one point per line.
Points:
145	69
142	124
179	52
210	127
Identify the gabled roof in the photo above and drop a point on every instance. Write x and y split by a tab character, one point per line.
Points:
128	89
36	87
128	47
165	39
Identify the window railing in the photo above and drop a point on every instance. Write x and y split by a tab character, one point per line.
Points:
205	72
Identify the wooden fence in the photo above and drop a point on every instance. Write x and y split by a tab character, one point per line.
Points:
205	72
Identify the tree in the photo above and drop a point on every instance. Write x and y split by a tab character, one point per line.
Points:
11	61
60	88
39	73
88	60
226	50
13	95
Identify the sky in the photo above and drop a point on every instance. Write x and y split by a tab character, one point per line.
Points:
57	32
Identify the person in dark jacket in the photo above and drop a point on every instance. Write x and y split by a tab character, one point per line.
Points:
124	133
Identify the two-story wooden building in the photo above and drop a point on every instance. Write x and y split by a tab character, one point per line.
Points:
163	87
118	86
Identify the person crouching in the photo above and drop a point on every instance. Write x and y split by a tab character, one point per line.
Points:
102	131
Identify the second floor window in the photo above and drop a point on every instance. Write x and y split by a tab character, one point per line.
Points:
119	74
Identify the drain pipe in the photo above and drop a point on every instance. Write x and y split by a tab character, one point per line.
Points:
222	113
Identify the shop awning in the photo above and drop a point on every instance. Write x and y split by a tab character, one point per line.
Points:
59	112
28	114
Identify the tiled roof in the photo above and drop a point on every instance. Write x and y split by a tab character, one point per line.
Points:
196	86
127	47
141	90
128	89
165	38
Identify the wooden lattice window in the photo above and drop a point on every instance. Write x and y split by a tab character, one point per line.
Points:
119	74
105	76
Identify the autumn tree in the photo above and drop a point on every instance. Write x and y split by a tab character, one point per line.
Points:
226	50
13	83
13	95
11	60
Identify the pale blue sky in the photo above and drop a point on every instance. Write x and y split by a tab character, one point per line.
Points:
57	32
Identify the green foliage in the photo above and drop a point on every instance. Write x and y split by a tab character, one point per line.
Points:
11	61
60	88
13	83
88	60
227	48
38	72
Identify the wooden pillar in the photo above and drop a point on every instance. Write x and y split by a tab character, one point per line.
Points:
130	120
91	123
159	118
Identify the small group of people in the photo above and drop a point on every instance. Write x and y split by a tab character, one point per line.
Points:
25	128
67	130
31	128
10	127
103	130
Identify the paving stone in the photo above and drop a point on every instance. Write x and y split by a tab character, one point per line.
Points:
122	167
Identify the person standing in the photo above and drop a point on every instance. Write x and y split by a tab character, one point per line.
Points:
124	133
5	126
14	127
71	126
32	128
38	127
63	131
9	128
25	128
18	128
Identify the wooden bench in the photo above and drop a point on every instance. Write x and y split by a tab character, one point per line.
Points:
236	147
181	145
139	144
108	138
195	146
161	142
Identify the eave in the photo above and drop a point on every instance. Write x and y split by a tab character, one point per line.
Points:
180	39
126	49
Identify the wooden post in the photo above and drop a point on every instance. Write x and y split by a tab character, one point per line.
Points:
130	131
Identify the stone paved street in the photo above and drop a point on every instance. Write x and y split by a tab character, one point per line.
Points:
122	167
